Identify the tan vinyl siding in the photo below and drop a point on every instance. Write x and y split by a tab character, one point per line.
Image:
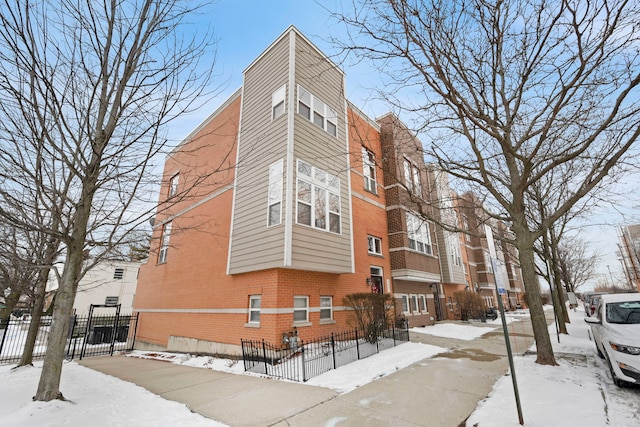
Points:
314	249
262	142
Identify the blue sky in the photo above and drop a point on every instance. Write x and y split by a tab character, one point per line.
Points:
245	28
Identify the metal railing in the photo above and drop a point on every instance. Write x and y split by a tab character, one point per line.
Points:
87	336
307	359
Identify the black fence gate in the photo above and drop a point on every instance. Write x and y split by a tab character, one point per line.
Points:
90	335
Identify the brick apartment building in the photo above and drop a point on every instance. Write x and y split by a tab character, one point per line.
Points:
285	200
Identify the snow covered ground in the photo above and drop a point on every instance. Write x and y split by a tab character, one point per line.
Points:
578	392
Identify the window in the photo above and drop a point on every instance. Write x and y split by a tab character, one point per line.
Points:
277	102
332	122
318	113
408	180
369	170
110	300
164	243
274	216
313	109
465	226
254	308
326	308
118	273
405	303
423	304
412	178
419	235
454	245
173	185
489	301
487	258
300	309
414	303
417	185
304	103
318	198
375	245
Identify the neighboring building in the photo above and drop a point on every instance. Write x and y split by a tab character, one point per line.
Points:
479	268
450	248
285	200
629	248
109	282
415	266
113	282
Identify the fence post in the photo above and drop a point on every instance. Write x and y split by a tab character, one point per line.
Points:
264	356
5	332
333	350
135	330
71	339
357	344
304	370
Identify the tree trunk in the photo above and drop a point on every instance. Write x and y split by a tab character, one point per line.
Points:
10	302
524	244
49	384
36	314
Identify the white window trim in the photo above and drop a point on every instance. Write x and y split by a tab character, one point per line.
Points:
375	240
424	306
369	171
330	308
277	100
173	184
412	178
331	187
275	191
254	309
414	307
405	303
317	107
454	246
419	232
417	182
299	309
164	243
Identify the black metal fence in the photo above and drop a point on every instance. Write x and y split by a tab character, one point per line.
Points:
302	360
87	336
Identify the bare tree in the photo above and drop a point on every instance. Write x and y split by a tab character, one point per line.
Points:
86	91
577	266
508	91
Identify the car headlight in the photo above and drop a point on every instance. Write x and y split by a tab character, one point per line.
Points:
625	348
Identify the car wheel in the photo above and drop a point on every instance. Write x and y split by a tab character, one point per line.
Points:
617	381
599	352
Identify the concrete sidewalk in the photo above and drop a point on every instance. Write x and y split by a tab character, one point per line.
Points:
441	391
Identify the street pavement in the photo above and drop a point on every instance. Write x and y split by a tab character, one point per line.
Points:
441	391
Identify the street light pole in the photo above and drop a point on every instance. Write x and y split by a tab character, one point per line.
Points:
611	276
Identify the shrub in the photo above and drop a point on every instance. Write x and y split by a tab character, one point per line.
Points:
370	312
470	304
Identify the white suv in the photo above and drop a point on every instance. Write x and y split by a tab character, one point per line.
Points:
615	326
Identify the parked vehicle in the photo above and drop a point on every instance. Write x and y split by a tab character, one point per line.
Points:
615	327
492	313
591	302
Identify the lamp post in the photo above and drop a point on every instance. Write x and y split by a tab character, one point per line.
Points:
611	276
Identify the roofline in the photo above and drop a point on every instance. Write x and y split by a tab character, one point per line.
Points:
206	121
359	112
286	32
